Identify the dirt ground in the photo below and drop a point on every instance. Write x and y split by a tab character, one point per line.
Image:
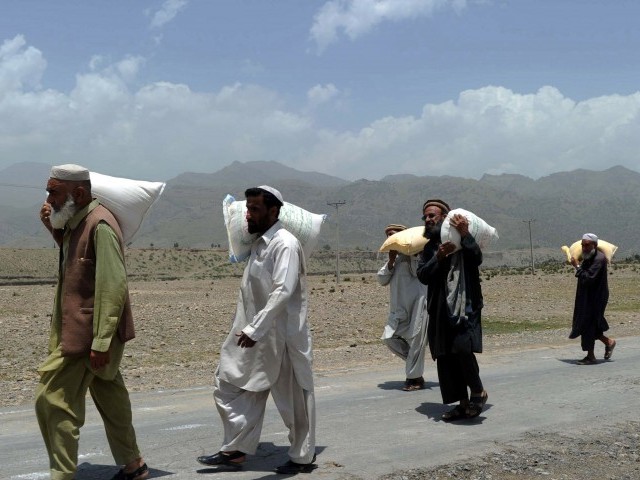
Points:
182	323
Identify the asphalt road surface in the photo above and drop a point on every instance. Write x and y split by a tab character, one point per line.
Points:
366	426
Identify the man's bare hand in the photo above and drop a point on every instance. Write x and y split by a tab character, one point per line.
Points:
574	262
99	360
460	223
245	341
45	214
393	254
444	250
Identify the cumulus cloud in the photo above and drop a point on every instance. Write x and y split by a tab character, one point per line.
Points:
20	65
168	11
357	17
157	131
491	130
319	94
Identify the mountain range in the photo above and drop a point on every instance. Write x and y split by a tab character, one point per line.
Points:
558	208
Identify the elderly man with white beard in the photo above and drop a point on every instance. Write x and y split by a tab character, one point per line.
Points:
90	323
592	296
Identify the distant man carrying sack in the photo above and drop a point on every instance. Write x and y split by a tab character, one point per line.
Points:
454	300
406	331
269	346
592	296
91	321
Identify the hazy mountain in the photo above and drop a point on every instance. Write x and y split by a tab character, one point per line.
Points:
561	207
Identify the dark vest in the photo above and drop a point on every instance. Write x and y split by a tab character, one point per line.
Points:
78	287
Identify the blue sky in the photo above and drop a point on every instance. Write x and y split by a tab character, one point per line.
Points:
353	88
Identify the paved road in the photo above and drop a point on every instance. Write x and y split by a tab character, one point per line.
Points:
366	425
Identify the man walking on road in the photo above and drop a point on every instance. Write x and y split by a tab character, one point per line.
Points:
454	302
406	330
592	296
91	321
269	346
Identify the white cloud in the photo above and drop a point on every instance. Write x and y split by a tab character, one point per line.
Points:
168	11
20	66
357	17
319	94
162	129
491	130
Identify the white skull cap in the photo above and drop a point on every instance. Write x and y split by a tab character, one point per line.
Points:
69	172
273	191
590	237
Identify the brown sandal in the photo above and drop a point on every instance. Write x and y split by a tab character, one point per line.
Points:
608	350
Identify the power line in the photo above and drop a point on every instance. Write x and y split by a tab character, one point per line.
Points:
533	270
337	205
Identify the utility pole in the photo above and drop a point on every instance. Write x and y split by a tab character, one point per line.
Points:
533	270
337	205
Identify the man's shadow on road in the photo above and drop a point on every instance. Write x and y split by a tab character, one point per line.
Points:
573	361
397	385
435	410
267	458
90	471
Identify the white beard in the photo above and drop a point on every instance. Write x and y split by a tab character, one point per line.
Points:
60	218
590	255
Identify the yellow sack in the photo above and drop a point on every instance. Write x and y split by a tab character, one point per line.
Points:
575	250
408	242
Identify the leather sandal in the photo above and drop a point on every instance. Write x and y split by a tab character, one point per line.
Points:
139	474
220	459
413	384
587	361
456	413
293	468
608	350
476	404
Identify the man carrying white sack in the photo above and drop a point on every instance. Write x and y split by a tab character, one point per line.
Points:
406	331
454	302
269	346
90	323
592	296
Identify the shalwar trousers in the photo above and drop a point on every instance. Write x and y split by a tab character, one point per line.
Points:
458	372
60	409
411	350
242	414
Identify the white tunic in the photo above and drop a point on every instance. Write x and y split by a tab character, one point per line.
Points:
272	310
407	305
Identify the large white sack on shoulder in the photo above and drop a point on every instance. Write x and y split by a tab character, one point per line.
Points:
128	200
304	225
238	235
408	242
482	232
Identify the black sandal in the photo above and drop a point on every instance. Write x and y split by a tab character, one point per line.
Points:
139	474
456	413
476	404
220	459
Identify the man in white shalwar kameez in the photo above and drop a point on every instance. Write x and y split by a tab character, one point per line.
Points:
406	331
269	346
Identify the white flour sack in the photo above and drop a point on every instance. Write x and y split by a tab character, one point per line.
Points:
128	200
304	225
483	233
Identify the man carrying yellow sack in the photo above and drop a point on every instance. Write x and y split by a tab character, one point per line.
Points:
406	331
592	295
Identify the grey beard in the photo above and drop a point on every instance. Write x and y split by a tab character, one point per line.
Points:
60	218
590	255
